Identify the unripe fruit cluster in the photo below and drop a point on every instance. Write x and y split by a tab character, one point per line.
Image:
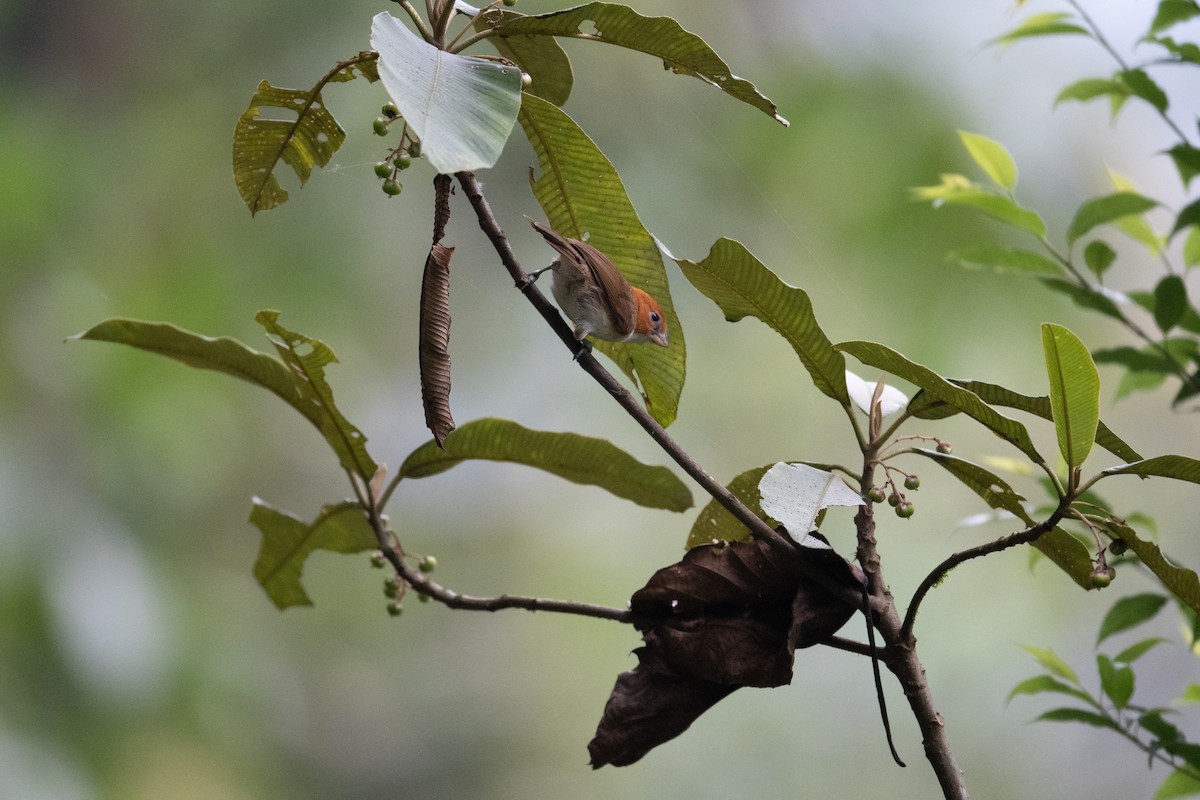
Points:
400	158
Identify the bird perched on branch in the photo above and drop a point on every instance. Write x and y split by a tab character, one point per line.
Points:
595	296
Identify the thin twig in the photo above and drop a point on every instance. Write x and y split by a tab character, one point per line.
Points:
422	28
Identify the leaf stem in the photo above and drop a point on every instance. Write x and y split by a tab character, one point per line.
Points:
422	28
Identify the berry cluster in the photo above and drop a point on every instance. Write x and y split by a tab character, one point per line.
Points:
398	158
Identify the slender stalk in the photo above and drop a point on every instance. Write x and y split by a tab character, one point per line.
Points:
422	28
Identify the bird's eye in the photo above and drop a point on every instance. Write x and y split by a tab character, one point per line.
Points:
655	317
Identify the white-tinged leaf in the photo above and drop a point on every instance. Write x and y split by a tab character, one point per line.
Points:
795	493
861	392
462	108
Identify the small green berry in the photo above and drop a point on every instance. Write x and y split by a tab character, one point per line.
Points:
414	149
876	495
428	564
390	110
944	448
380	126
893	499
905	510
378	560
403	161
424	598
912	483
1118	547
391	588
392	187
510	3
526	80
394	609
383	170
1102	576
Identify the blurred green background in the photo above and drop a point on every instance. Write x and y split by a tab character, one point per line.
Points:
138	658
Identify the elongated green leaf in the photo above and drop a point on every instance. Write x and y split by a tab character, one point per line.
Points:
540	57
1184	52
1102	210
743	287
1004	260
301	133
957	190
1079	715
462	108
1052	663
1178	784
1129	612
1091	299
681	52
1091	88
993	489
1187	162
1136	651
1170	302
287	542
1074	392
1171	13
1040	684
306	359
927	407
1046	24
1099	257
1188	217
1115	681
715	523
579	459
992	158
1183	582
1143	86
884	358
583	198
234	358
1181	468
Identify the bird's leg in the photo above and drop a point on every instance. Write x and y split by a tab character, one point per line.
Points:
531	278
584	347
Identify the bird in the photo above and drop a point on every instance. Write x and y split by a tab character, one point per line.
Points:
595	296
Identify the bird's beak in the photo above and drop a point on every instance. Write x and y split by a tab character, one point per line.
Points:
660	338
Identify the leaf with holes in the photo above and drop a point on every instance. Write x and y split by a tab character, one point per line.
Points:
300	132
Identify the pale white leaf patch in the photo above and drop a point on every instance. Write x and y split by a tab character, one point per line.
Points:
861	392
795	493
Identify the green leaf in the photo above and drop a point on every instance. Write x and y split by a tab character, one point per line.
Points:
1191	695
881	357
301	133
288	541
306	360
462	108
1180	468
1129	612
992	158
579	459
682	52
1074	392
1170	302
715	523
1191	248
1047	24
583	197
1004	260
540	57
1079	715
993	489
1040	684
1178	784
1115	681
1052	663
1187	162
1085	297
743	287
921	406
1136	651
234	358
1147	359
1102	210
1188	217
1184	52
1091	88
1183	582
957	190
1099	257
1143	86
1171	13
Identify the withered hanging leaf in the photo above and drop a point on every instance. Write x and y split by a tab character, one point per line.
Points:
724	617
434	344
